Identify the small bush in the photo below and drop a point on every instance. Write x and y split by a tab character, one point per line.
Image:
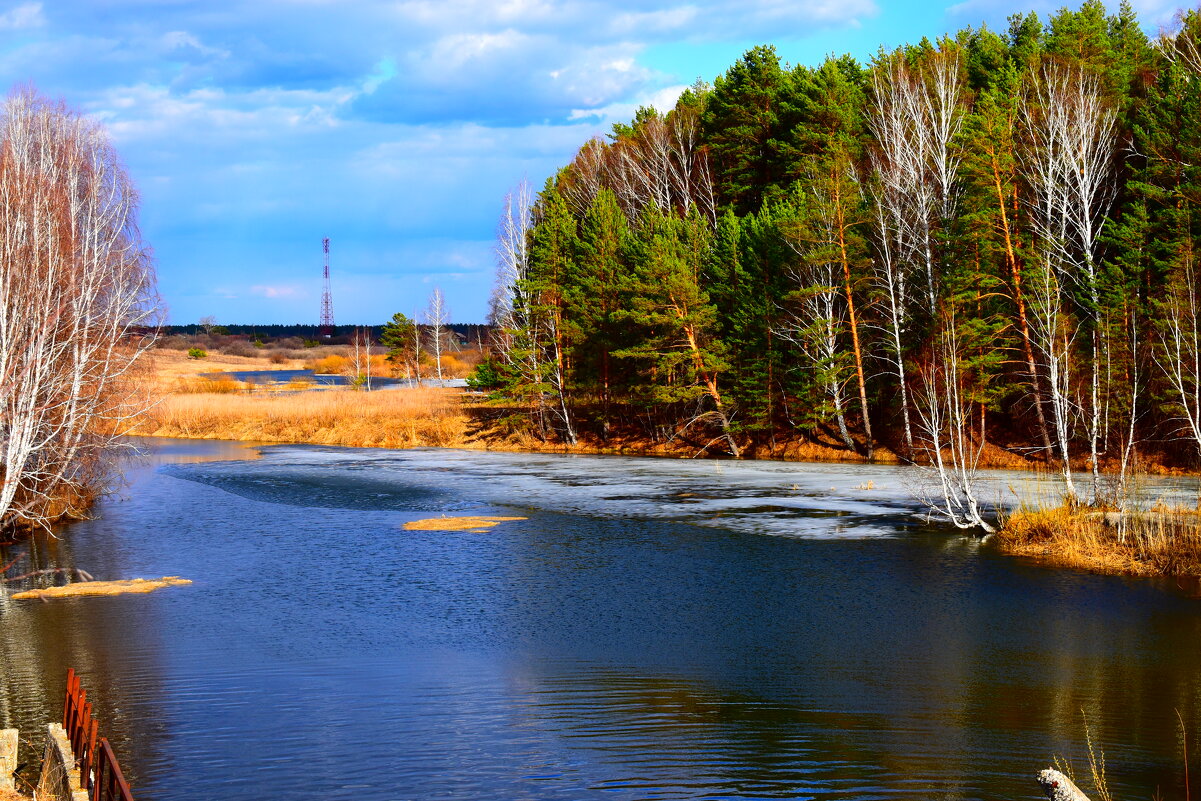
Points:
487	376
279	358
221	385
197	353
329	365
239	347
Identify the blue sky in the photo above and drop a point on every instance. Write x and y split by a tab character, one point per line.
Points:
395	128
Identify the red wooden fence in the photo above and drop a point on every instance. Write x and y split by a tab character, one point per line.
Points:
99	772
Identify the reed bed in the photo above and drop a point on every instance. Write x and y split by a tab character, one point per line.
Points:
1159	541
393	418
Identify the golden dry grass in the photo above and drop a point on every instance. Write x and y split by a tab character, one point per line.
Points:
1161	541
82	588
457	523
170	366
394	418
12	795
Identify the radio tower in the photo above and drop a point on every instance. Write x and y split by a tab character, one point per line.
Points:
327	298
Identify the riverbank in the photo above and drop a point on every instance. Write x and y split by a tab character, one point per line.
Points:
1162	540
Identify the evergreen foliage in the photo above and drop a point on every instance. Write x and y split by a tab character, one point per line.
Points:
837	252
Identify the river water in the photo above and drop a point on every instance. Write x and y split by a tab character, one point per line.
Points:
654	629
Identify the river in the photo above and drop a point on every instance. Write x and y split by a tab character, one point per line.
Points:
655	629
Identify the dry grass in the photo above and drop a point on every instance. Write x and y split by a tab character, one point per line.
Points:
132	586
12	795
394	418
171	367
1161	541
476	524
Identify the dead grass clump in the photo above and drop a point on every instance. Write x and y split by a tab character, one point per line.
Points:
219	385
477	524
333	364
1160	541
84	588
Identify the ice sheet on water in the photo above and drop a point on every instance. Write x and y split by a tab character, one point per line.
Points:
778	498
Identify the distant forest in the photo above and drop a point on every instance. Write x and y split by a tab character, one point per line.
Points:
468	333
985	240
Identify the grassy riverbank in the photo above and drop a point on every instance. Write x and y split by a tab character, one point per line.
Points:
1159	541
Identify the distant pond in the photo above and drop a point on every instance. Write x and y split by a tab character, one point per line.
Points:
278	377
668	629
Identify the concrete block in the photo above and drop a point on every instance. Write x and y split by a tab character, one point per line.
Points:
8	758
60	776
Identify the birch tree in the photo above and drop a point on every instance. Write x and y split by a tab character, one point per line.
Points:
1069	162
915	117
952	448
77	300
437	315
1179	354
360	358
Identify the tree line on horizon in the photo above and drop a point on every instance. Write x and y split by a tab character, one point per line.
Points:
985	238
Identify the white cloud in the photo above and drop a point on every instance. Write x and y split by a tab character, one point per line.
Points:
276	291
24	16
598	20
662	99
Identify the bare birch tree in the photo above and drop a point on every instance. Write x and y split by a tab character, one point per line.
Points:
661	163
952	448
1179	354
586	177
437	315
1072	141
517	338
77	301
360	358
823	287
915	118
813	323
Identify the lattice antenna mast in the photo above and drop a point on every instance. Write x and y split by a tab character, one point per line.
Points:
327	298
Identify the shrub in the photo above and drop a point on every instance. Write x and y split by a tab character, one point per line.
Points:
487	376
197	353
329	365
239	347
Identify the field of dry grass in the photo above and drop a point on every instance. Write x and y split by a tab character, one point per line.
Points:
171	367
1160	541
383	419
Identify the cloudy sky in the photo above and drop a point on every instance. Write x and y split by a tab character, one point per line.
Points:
394	128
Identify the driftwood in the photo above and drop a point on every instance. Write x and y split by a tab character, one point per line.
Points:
1058	787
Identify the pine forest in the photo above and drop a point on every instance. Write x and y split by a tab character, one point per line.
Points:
984	244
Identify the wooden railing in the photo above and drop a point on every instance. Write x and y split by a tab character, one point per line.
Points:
99	772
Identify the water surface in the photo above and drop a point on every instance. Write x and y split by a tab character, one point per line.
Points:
654	629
